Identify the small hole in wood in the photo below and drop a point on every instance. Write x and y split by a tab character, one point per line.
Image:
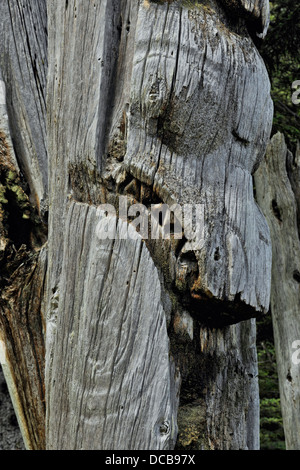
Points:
217	254
296	276
276	210
164	428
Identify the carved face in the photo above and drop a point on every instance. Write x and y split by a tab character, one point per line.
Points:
199	121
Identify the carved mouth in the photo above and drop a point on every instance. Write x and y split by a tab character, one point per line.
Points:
181	266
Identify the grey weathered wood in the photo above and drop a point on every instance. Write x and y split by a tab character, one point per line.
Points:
114	386
6	142
23	65
293	169
23	170
277	200
219	394
168	100
157	101
22	346
199	119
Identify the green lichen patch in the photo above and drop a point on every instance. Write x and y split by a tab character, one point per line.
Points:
271	424
3	199
20	226
191	435
14	201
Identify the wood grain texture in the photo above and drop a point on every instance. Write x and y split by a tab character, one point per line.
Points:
277	200
232	399
169	100
22	331
158	101
170	128
7	148
114	385
293	170
219	397
23	65
198	123
23	188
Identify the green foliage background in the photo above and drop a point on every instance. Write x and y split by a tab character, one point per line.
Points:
281	53
271	426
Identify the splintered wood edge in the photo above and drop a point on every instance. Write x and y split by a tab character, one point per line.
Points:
13	392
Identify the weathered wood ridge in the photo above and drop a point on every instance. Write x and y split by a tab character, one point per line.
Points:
162	102
277	184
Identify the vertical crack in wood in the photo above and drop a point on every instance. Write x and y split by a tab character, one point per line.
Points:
162	102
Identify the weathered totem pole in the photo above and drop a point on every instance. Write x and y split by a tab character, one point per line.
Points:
146	343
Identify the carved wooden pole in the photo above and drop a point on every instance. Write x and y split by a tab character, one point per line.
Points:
276	197
149	342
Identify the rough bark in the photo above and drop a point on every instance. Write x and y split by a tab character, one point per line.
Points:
293	170
157	128
219	405
160	102
114	367
23	65
276	198
22	347
23	188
